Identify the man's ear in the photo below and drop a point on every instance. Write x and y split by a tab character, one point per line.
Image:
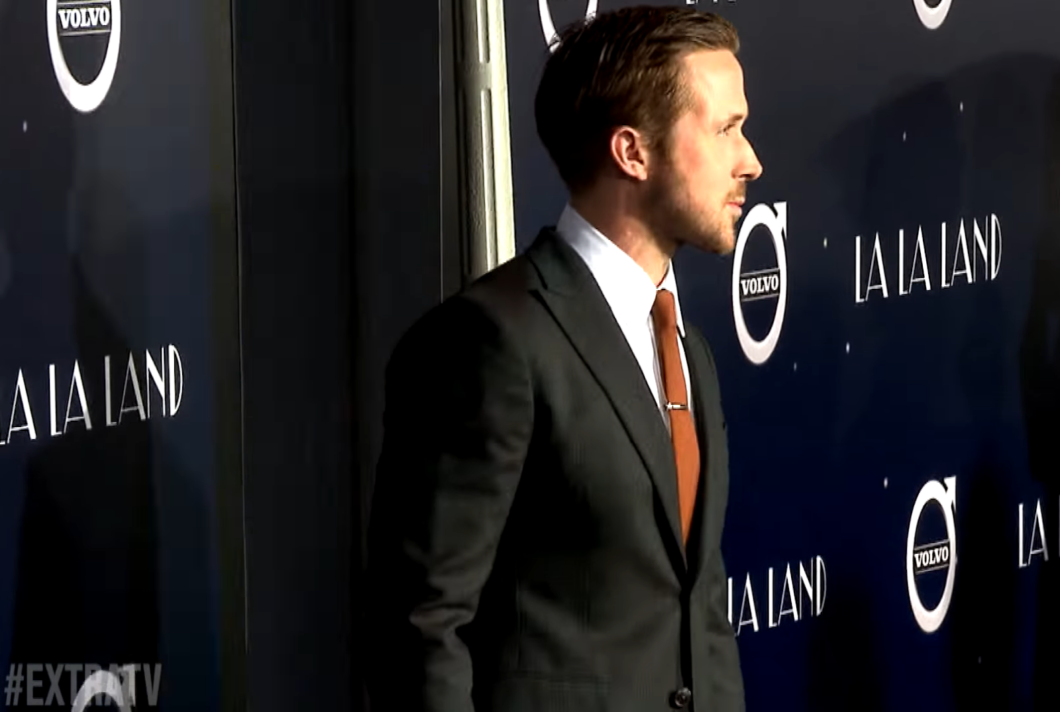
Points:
629	151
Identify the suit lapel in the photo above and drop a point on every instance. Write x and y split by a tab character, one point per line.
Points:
572	296
697	370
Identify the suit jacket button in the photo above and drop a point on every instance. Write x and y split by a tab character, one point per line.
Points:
681	699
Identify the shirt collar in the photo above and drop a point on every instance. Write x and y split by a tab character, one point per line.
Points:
626	286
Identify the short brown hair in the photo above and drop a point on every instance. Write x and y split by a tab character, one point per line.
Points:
620	68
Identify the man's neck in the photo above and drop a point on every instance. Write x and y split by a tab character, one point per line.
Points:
631	234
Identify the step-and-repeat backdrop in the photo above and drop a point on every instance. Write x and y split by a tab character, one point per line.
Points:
887	337
117	314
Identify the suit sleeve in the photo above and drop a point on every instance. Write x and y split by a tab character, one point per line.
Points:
457	426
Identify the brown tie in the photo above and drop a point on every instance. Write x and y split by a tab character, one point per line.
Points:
682	430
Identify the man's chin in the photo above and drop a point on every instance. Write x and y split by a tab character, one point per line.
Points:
719	243
725	242
715	239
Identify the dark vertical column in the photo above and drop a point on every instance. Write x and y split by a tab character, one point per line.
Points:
340	159
405	252
229	490
292	67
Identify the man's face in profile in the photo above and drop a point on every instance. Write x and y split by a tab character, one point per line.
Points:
697	187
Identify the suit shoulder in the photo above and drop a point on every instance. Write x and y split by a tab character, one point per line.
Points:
513	280
491	308
503	295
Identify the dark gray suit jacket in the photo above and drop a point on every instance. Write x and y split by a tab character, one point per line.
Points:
524	546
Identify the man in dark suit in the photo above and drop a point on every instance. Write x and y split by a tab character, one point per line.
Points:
550	496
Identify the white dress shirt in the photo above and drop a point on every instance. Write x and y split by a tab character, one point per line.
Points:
630	293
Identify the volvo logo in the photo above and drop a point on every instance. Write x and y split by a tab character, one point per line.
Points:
81	21
549	28
103	683
935	556
771	284
932	17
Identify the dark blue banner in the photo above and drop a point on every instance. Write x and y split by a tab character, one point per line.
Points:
118	369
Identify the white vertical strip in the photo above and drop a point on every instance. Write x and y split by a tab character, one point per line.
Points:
503	204
485	143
